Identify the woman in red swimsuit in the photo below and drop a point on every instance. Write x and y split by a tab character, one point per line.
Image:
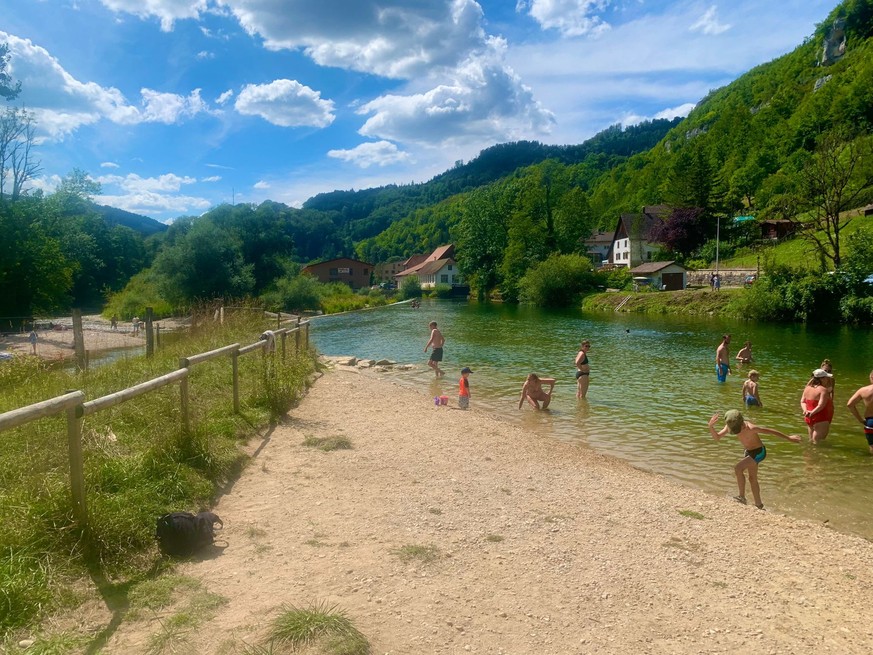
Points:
817	406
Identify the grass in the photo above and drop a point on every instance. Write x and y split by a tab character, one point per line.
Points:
690	513
414	552
321	625
328	444
494	538
138	464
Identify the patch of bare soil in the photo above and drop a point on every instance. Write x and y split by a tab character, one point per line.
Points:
538	546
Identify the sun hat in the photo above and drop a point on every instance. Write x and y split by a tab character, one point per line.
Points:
735	420
821	373
466	369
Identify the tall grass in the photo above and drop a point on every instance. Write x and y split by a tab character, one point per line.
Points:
138	464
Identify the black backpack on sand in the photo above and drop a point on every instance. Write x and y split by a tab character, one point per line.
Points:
181	534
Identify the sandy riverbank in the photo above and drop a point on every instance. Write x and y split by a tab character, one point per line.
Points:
544	547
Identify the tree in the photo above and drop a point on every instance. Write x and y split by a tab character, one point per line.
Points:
683	231
8	88
830	183
17	163
482	238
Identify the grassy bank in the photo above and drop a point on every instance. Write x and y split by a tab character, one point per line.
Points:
138	465
691	301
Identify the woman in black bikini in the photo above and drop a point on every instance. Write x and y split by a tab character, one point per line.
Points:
583	370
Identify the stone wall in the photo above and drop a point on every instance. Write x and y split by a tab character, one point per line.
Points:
730	277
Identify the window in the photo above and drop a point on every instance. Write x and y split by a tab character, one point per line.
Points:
444	279
333	271
649	255
366	272
450	267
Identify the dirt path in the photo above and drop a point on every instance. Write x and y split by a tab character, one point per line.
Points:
543	547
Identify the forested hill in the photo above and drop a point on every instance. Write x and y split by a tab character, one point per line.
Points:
136	222
374	205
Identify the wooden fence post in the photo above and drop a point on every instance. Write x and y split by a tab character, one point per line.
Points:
297	337
150	335
306	326
183	398
79	340
77	465
158	335
284	335
234	358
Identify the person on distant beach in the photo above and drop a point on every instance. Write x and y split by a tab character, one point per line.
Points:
113	322
436	356
135	322
754	453
745	354
32	338
751	394
864	394
464	388
533	391
817	406
723	358
583	369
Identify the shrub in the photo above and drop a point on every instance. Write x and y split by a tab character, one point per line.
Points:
558	281
295	294
442	291
618	278
140	292
410	287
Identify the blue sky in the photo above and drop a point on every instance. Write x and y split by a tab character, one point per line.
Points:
175	106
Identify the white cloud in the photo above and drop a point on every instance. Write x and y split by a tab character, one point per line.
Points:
708	23
260	184
669	113
149	195
379	153
569	17
61	104
224	168
167	11
108	164
286	103
485	102
205	54
169	107
392	38
211	178
224	97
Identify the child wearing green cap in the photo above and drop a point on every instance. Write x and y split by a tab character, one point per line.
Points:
749	436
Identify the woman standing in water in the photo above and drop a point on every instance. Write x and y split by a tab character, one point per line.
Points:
817	406
583	370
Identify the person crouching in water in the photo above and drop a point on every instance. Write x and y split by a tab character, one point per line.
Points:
749	436
533	391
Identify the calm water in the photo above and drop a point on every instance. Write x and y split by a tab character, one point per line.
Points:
653	388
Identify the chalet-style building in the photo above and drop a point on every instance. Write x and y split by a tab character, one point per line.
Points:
439	267
664	276
597	247
353	272
631	245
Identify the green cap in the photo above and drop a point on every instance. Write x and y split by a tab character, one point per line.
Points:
734	420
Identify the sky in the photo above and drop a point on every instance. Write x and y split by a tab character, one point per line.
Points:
176	106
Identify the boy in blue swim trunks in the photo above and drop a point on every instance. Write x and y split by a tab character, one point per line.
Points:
751	395
749	436
865	395
723	358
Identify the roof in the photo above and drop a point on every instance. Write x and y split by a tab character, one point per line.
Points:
654	267
429	268
415	260
599	238
442	253
338	259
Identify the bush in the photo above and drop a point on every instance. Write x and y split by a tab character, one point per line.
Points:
295	294
410	287
559	281
442	291
618	278
140	292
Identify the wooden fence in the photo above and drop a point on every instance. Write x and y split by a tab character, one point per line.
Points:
75	407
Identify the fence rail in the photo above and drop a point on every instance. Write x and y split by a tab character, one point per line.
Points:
76	408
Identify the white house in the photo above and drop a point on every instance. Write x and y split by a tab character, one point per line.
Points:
438	268
631	245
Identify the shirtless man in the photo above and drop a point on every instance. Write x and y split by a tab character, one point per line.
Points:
533	391
723	358
745	354
748	435
436	355
865	394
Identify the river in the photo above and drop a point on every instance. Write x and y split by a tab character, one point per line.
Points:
653	389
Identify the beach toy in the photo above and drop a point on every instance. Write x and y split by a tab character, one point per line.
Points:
444	400
436	400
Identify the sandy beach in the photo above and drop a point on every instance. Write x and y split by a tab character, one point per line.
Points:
542	547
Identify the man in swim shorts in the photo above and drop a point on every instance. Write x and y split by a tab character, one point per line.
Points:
723	358
436	355
864	394
748	435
